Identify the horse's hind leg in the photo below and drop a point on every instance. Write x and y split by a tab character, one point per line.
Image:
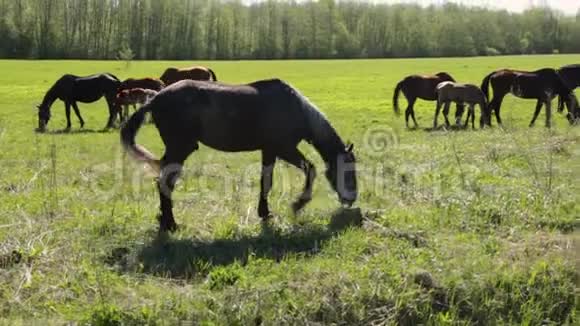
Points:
67	111
472	110
171	168
497	109
413	115
268	161
536	113
410	113
296	158
78	113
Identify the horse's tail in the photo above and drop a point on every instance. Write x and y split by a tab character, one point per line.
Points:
485	85
213	76
396	97
128	133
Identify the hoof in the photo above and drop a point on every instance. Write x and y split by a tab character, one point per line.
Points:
166	226
267	218
264	213
298	205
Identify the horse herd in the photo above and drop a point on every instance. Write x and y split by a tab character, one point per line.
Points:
188	107
542	85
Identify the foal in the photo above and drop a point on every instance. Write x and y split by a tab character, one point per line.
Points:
133	97
448	92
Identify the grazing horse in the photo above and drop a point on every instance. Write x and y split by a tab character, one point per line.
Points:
72	89
133	97
173	75
448	92
542	85
571	76
268	116
423	87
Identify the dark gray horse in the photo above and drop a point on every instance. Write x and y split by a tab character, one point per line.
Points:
268	116
72	89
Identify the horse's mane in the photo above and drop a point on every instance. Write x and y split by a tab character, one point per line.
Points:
322	132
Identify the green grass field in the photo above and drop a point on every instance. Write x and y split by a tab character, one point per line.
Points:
469	227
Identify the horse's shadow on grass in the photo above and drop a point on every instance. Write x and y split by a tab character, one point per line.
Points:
76	131
445	128
185	258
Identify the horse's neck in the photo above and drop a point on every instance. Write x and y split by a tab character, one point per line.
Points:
49	98
327	143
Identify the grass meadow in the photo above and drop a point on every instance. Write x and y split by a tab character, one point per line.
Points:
450	228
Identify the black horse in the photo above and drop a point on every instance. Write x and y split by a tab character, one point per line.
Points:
71	89
571	76
542	85
268	116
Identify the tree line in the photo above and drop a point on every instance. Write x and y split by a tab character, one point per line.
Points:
232	29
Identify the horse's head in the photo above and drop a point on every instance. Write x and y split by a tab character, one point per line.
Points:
168	76
443	76
43	117
341	173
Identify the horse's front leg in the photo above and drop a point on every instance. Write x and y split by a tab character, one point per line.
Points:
78	113
296	158
536	113
459	109
437	109
446	109
469	113
67	111
113	112
268	161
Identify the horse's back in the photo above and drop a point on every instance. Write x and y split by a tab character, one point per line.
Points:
231	117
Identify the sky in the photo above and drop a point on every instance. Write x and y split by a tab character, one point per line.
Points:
569	7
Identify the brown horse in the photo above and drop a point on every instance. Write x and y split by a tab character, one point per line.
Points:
153	84
542	85
268	116
448	92
133	97
423	87
173	75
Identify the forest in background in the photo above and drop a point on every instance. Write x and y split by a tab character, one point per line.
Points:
217	29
